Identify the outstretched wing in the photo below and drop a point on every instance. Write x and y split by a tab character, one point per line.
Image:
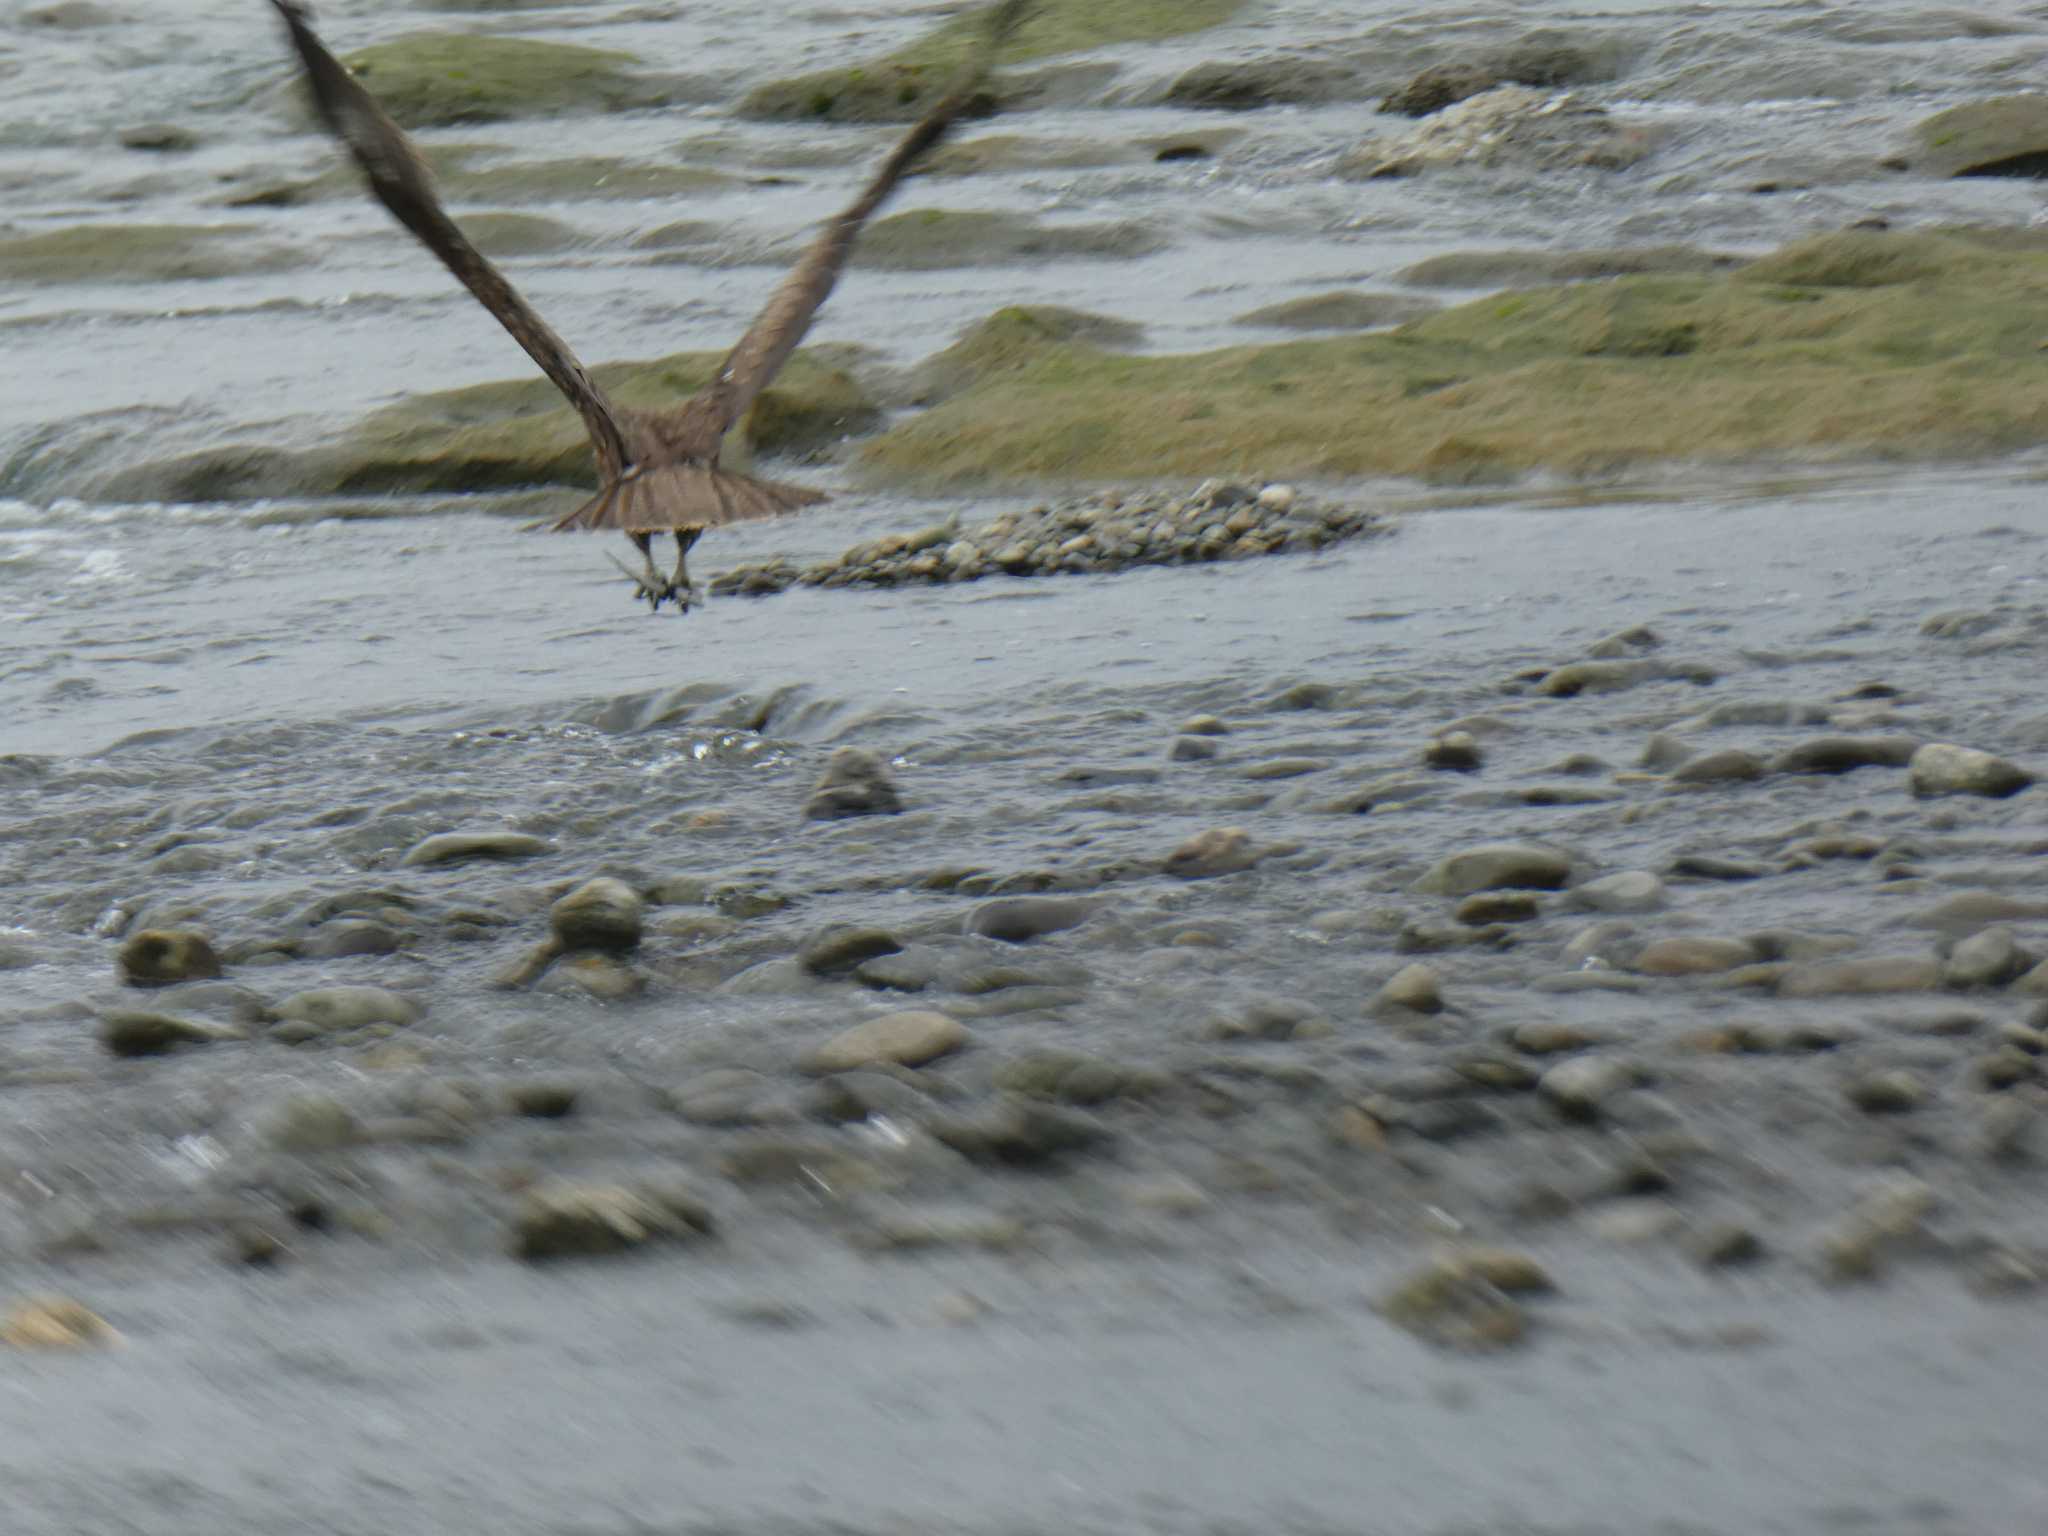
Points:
402	184
752	365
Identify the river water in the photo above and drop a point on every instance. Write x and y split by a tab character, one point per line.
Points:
229	715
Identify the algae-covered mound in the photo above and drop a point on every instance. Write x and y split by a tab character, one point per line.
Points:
1859	343
900	85
105	253
430	79
491	437
2004	136
928	239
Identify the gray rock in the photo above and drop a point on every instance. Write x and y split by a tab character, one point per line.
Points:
465	847
137	1032
907	1039
722	1096
1465	1300
1455	752
602	915
1631	890
1579	677
1507	127
345	1008
1988	959
1845	754
157	957
561	1219
841	947
1852	978
1729	765
1192	749
1693	956
310	1123
854	783
1484	907
1941	768
1582	1086
1414	988
1497	866
1019	919
1219	851
1710	866
784	977
1019	1131
1885	1093
349	936
598	976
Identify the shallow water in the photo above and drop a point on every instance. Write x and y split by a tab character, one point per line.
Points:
230	715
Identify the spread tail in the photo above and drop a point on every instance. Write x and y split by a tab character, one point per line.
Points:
669	497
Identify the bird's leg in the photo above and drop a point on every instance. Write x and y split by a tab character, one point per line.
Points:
649	582
684	592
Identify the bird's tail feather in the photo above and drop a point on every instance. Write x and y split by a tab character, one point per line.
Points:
672	496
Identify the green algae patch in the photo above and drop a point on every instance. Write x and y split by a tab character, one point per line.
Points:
1583	380
929	239
899	86
1501	268
113	253
1338	312
1014	152
519	432
431	79
1011	338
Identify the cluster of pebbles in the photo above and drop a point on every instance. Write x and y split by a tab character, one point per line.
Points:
1765	983
1102	531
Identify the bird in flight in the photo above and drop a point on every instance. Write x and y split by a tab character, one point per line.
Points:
658	471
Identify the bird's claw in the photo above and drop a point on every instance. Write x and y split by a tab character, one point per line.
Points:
656	588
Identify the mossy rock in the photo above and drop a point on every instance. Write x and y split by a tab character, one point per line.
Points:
2005	136
1499	269
929	239
1014	152
684	234
1251	85
1339	312
582	178
899	86
506	435
1016	337
518	234
112	253
1585	379
432	79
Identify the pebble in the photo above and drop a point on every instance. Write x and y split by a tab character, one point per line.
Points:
1483	907
1019	919
465	847
1582	1086
561	1218
1629	891
907	1039
1692	957
1018	1131
854	783
1845	754
603	915
1219	851
137	1032
1414	988
1987	959
55	1322
1192	749
158	957
1496	866
842	947
1107	531
1851	978
1941	768
1552	1037
1466	1300
310	1123
333	1009
1729	765
1885	1093
1454	752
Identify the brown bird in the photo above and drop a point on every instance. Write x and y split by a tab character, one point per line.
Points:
658	471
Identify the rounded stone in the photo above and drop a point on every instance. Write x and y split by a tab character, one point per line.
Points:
602	914
1581	1086
158	957
137	1032
462	847
1416	988
908	1039
1942	768
1018	919
1219	851
843	946
1498	866
1631	890
342	1008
